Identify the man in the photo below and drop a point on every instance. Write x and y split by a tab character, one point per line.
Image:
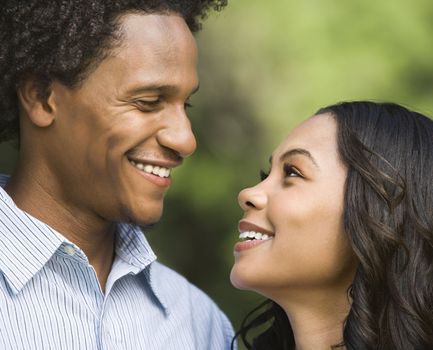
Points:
96	92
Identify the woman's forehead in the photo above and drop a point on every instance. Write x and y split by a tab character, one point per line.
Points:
317	134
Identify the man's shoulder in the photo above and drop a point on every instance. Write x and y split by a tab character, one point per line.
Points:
184	299
180	293
176	285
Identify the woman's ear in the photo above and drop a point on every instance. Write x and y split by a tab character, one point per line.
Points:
38	105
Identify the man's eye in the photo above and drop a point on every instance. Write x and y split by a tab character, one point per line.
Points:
263	175
291	171
147	106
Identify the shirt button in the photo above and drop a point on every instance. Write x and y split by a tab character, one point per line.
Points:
69	250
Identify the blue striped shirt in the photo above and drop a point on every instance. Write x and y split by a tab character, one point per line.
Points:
50	296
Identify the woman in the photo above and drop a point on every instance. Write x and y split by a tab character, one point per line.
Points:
339	234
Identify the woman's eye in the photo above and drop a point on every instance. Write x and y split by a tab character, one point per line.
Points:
290	171
263	175
187	105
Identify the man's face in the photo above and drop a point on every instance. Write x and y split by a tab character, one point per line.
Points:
116	137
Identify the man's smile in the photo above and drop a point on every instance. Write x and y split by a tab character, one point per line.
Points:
151	169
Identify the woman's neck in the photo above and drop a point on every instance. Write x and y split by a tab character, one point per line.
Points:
317	318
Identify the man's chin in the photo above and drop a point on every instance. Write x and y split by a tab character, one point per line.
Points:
146	220
144	217
147	227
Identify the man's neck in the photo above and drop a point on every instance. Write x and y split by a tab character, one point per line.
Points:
95	236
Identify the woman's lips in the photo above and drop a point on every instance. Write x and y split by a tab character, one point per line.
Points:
255	236
249	226
240	246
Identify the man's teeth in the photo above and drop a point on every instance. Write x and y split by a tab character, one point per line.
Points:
152	169
249	235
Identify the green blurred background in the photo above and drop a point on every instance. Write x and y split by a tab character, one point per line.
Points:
264	67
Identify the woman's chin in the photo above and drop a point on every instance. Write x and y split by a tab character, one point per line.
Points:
238	280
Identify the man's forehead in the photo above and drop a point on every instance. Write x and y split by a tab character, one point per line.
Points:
155	37
155	28
149	57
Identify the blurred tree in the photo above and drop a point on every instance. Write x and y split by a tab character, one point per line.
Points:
8	157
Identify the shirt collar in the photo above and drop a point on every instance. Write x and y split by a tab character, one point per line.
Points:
27	244
133	247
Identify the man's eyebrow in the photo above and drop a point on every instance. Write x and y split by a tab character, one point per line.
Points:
297	151
162	89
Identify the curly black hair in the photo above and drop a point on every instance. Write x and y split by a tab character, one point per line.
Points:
64	39
388	219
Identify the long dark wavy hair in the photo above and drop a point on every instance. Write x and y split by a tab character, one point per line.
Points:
388	219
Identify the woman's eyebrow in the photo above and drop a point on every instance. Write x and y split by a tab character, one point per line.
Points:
297	151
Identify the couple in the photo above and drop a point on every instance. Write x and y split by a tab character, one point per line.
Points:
338	235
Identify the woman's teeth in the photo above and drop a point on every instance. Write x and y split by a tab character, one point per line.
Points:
152	169
250	235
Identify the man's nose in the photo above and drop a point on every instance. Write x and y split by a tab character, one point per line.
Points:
177	133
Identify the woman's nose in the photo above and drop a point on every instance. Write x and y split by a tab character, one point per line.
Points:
252	198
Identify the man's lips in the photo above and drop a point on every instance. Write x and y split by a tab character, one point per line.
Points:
151	169
156	171
157	167
161	162
162	158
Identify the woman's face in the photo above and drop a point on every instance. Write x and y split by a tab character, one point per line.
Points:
299	206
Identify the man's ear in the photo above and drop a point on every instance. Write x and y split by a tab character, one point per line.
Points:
38	105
